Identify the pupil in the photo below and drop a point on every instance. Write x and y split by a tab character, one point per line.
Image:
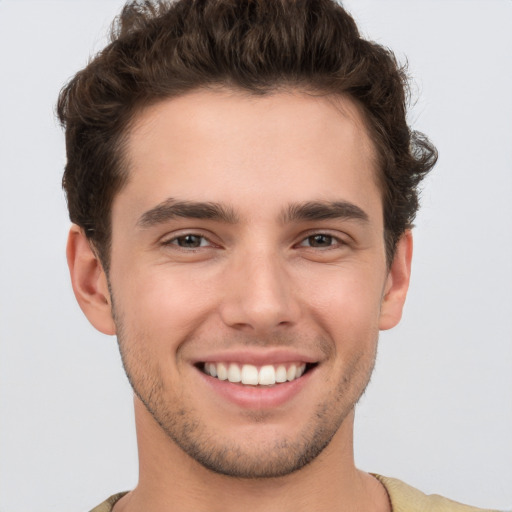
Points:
189	241
320	240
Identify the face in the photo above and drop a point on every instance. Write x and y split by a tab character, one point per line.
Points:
248	244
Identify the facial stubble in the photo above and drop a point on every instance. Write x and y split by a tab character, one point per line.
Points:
280	456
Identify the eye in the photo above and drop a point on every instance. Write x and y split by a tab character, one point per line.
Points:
321	241
189	241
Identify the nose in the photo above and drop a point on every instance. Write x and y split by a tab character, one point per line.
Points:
259	294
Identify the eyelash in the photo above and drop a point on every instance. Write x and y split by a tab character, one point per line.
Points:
334	241
175	241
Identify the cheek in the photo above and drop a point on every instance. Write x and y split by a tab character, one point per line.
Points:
164	302
345	296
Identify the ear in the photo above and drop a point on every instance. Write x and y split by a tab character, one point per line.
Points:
397	283
89	281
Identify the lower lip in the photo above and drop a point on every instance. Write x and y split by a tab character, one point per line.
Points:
257	397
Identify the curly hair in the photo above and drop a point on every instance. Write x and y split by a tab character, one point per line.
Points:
162	49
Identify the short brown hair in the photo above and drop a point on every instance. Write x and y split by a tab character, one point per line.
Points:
161	49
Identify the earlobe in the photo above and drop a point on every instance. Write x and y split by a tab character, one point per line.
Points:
397	283
89	281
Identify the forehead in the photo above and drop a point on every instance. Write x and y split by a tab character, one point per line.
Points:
229	146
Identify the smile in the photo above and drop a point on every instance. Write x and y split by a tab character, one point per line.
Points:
251	375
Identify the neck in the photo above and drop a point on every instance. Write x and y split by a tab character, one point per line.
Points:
169	479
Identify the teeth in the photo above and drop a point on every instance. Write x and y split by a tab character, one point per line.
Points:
212	370
222	371
267	376
281	373
249	374
234	374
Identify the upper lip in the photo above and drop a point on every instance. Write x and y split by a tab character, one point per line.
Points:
257	357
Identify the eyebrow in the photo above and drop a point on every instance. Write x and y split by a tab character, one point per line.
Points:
172	208
295	212
324	210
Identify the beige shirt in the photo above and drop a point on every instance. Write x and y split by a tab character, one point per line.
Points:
403	498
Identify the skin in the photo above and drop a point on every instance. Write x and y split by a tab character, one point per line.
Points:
260	282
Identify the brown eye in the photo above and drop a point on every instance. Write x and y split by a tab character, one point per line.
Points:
320	240
189	241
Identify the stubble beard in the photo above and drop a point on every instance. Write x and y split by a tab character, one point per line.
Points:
279	457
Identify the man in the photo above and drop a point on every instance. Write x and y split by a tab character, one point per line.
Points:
242	183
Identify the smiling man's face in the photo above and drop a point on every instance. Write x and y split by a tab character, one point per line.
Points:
248	244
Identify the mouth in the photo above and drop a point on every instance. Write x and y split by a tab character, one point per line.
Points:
251	375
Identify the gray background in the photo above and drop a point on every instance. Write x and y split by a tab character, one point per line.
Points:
438	412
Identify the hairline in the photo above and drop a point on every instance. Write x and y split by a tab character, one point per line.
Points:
337	100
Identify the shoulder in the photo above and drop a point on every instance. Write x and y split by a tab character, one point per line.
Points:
405	498
107	505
